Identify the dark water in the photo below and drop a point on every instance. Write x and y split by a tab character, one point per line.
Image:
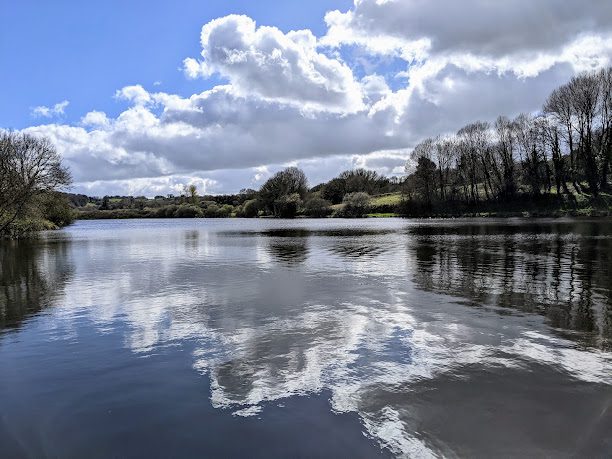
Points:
309	338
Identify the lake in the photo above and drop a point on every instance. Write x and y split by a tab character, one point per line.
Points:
308	338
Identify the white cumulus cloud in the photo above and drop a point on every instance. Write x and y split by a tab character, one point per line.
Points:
274	65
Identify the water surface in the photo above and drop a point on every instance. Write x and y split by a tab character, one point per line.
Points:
308	338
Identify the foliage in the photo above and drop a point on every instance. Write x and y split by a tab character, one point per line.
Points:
192	192
355	205
55	208
317	207
168	211
250	208
334	190
187	211
355	180
27	227
276	193
287	206
215	211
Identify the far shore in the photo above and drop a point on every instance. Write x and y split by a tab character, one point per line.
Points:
590	208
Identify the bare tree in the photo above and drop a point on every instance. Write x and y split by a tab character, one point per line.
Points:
473	149
425	173
531	151
364	180
29	166
506	156
445	154
528	140
585	103
559	106
605	131
549	135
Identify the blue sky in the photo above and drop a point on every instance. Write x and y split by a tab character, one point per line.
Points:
84	51
137	104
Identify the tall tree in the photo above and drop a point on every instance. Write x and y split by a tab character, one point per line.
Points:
605	131
585	103
425	176
506	151
559	106
192	192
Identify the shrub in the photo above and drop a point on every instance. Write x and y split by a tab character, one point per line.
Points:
27	227
355	205
317	207
55	208
250	208
188	211
167	211
212	211
413	208
226	210
287	206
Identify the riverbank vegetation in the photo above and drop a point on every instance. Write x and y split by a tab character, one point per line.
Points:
31	179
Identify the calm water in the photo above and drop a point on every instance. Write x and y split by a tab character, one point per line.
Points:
308	338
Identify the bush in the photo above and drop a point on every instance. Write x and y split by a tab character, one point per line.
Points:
384	208
167	211
27	227
250	208
188	211
412	208
287	206
225	211
212	211
355	205
55	208
317	207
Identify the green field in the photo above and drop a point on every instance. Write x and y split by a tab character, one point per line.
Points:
391	199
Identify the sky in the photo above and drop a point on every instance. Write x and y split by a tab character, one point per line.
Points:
143	97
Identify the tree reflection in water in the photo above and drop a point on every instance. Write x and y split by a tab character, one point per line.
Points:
559	270
32	274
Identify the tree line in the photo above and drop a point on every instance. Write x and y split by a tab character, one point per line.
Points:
286	194
564	149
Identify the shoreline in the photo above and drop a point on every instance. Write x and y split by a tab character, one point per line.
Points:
391	205
483	215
